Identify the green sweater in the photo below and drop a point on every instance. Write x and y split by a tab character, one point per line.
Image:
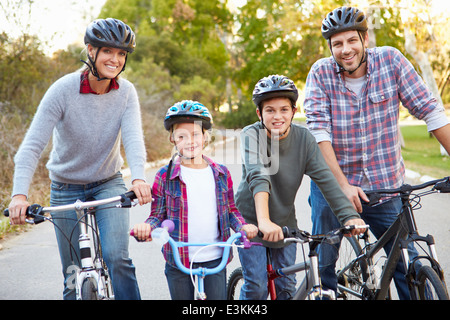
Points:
277	167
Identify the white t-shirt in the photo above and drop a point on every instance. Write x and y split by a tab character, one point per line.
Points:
356	84
203	219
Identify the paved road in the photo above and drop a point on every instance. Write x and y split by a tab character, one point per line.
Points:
30	267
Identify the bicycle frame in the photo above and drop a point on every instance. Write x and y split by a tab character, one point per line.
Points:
90	267
404	232
201	272
310	286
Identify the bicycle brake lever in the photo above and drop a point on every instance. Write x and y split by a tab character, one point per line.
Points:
247	243
443	187
35	211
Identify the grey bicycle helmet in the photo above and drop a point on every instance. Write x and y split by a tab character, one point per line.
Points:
188	111
110	33
274	86
343	19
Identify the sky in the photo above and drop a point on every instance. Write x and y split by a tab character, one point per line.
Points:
59	23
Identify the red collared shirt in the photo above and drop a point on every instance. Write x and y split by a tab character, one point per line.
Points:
85	87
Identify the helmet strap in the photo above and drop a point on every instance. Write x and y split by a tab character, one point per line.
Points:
93	68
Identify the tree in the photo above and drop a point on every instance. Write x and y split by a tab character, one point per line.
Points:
182	37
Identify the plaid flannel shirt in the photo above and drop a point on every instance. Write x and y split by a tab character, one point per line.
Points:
170	202
364	131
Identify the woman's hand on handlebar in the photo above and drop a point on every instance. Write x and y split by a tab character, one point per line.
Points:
142	232
142	190
250	230
18	209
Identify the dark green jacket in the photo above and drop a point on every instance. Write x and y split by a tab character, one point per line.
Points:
277	167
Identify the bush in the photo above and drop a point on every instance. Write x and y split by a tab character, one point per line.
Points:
244	115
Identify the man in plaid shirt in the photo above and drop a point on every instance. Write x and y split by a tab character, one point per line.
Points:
352	107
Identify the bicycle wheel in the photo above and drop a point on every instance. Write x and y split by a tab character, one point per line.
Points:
235	283
428	285
89	289
351	275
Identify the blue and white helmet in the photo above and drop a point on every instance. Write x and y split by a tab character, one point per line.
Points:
188	111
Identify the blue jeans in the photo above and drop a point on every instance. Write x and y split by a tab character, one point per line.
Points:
254	267
113	224
181	287
379	218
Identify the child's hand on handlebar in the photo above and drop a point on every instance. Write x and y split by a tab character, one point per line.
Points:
250	230
271	231
142	232
356	231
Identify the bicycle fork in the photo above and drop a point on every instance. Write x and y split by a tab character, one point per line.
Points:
89	267
432	257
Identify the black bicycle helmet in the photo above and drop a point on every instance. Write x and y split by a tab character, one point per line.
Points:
275	86
110	33
343	19
188	111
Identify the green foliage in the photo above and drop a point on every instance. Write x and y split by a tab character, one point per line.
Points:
181	37
244	115
280	37
26	73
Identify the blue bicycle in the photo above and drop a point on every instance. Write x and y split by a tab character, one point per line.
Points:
162	236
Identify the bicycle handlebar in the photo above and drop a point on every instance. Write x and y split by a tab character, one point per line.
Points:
332	237
167	227
440	185
35	212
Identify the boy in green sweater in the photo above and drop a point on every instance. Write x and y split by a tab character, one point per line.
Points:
276	154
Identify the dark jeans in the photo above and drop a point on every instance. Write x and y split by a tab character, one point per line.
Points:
182	288
379	219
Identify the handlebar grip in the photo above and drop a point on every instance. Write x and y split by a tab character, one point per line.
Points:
444	186
130	195
34	212
287	232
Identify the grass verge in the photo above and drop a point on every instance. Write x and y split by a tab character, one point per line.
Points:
421	152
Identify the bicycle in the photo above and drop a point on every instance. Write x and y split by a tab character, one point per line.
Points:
92	280
362	278
238	239
310	287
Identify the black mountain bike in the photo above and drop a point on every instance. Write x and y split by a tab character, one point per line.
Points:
361	275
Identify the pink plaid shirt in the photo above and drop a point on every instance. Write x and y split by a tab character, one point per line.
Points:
170	202
364	131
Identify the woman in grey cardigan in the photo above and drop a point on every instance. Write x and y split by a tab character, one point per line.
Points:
87	114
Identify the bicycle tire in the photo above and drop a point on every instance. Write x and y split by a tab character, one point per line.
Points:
428	285
352	277
235	282
89	290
